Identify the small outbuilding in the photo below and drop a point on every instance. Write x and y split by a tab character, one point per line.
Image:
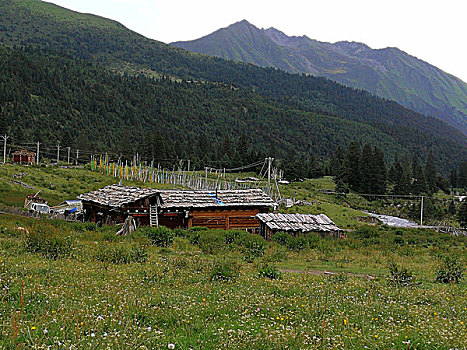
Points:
23	156
296	224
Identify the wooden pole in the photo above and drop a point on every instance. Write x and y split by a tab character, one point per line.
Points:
5	137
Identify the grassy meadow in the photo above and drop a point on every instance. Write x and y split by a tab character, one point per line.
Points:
74	285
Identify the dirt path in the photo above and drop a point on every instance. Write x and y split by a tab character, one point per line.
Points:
327	273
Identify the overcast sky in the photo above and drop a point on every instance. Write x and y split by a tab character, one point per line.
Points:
434	31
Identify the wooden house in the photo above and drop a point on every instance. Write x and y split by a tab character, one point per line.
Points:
224	209
297	224
24	157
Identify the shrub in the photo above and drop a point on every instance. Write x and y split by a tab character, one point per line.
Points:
399	240
195	233
313	239
366	232
225	270
253	246
212	241
281	238
47	240
450	270
270	272
180	232
400	276
160	236
231	236
296	243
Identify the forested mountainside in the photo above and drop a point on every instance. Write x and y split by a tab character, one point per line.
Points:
389	73
290	113
47	97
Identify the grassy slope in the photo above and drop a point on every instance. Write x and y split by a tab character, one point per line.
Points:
87	303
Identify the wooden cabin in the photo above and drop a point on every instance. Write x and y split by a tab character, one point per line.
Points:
224	209
297	224
24	157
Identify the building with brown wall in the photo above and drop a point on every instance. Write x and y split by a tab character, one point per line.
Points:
224	209
24	157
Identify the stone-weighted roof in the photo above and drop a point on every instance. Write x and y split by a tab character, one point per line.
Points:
205	199
298	222
116	196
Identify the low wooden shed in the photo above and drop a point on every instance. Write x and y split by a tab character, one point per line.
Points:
296	224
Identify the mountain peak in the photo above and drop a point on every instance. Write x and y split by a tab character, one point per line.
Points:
242	23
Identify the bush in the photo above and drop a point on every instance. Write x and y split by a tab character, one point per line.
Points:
49	241
212	241
450	270
281	238
225	270
231	236
400	276
180	232
160	236
194	234
399	240
119	254
296	243
270	272
366	232
253	246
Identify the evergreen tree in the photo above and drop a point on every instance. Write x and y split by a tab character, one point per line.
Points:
462	180
366	170
379	172
430	173
462	214
454	179
419	183
351	169
337	162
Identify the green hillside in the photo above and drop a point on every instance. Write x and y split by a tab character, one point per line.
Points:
389	73
290	111
47	97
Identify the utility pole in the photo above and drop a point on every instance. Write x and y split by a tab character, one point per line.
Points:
269	174
58	152
189	165
5	137
69	150
37	155
421	212
77	156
